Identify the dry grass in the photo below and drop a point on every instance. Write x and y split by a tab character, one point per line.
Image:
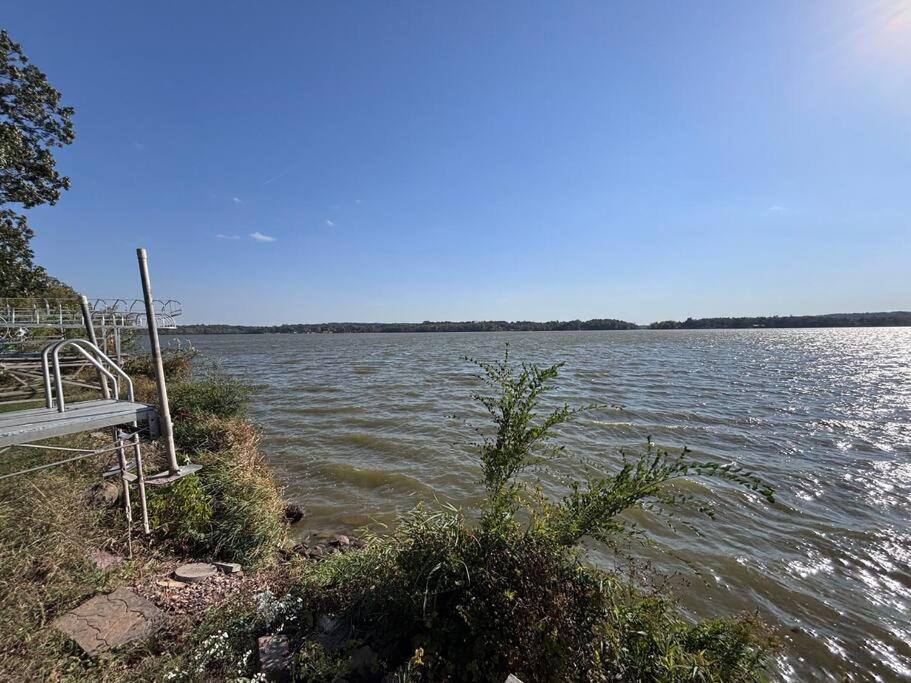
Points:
48	529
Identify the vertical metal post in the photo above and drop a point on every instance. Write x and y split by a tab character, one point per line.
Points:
90	331
117	350
128	511
167	429
141	481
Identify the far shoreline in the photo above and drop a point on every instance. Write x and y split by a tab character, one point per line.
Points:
832	320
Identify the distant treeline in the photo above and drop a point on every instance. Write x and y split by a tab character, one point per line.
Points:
426	326
891	319
888	319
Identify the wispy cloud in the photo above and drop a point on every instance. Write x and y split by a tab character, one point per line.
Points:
330	223
138	146
237	200
358	201
227	237
280	175
259	237
777	209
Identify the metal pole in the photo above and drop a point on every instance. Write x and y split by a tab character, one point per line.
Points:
141	481
117	345
167	430
121	456
90	331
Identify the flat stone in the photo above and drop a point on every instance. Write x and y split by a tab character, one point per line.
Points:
102	560
107	621
195	572
511	678
227	567
275	658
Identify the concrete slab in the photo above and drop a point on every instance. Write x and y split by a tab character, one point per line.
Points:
108	621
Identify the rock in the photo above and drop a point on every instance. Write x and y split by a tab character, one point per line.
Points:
293	513
228	567
102	560
512	678
106	621
331	633
275	658
195	572
340	541
104	494
363	661
316	552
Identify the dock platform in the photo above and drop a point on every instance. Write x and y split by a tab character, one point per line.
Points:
36	424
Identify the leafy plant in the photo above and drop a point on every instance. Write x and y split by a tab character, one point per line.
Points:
521	439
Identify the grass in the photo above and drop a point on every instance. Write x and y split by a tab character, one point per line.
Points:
230	510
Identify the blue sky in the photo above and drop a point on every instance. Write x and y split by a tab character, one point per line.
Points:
466	160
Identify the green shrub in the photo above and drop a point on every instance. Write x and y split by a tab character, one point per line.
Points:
314	665
231	509
177	363
246	521
181	512
195	434
215	394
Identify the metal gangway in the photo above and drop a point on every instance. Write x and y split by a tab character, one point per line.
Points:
21	316
116	410
28	324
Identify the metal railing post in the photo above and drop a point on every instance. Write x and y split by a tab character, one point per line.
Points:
164	410
90	330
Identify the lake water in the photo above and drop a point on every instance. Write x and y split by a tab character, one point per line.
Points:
360	428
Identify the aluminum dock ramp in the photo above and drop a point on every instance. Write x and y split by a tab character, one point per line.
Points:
37	424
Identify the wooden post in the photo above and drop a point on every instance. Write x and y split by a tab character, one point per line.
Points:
164	410
90	331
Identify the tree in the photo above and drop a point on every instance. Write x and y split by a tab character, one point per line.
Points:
32	123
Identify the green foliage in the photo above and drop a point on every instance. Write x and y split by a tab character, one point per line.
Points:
195	434
177	363
32	122
481	603
592	507
521	439
243	504
314	665
231	509
518	442
246	522
181	512
645	639
217	395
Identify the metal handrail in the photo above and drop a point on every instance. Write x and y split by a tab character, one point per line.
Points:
78	344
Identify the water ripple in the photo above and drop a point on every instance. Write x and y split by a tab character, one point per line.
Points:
359	428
